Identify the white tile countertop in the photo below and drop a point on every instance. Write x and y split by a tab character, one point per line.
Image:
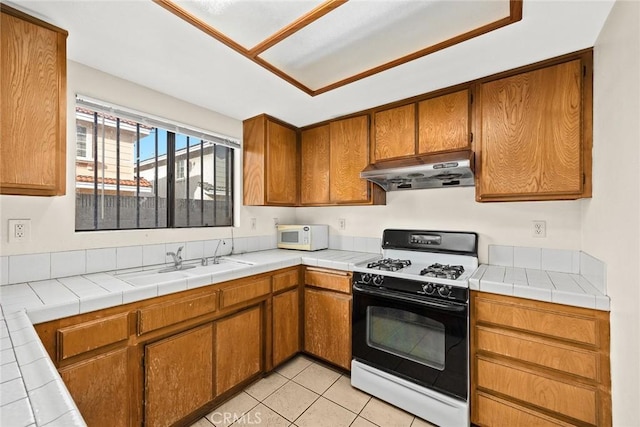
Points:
559	276
32	392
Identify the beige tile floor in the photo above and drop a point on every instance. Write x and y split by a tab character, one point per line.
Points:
305	393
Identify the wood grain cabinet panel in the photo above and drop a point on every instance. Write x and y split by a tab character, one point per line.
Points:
78	339
270	162
349	156
238	348
101	389
314	159
535	134
33	106
494	411
285	280
327	320
328	279
538	390
550	322
443	123
244	290
178	376
172	312
286	325
538	363
395	132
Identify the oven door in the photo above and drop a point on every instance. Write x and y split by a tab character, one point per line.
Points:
421	339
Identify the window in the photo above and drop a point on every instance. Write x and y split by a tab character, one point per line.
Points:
145	172
81	142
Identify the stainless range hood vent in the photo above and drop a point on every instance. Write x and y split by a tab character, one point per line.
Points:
427	171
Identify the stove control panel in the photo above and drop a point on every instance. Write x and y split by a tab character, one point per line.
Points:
428	289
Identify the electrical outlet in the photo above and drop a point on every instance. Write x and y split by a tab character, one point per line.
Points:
253	223
276	222
342	223
19	230
539	229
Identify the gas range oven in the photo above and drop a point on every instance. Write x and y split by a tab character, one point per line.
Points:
411	323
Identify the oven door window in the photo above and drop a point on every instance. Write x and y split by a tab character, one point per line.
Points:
407	335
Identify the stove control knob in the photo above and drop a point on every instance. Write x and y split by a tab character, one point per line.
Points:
428	289
378	279
366	278
444	291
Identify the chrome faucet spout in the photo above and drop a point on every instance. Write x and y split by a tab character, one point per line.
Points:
216	257
177	258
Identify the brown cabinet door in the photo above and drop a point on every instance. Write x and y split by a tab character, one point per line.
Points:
101	389
531	140
33	112
327	320
314	182
443	123
239	348
349	149
395	132
178	376
282	165
286	325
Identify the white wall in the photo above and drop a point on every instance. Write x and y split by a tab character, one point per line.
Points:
52	218
456	209
611	219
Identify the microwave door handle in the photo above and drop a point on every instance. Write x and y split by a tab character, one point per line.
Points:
388	294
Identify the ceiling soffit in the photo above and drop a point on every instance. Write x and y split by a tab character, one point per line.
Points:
318	45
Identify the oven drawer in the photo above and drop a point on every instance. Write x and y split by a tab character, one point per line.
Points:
333	280
540	352
574	400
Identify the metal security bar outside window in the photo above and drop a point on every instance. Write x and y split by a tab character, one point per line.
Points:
147	172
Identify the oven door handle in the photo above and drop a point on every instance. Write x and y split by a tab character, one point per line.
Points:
447	306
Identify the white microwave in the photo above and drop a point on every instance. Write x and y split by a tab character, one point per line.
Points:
303	237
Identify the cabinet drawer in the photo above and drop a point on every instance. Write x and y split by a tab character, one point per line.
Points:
78	339
244	291
285	280
161	315
332	280
583	363
570	399
553	323
493	411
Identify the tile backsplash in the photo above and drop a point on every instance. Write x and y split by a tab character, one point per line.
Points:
560	260
53	265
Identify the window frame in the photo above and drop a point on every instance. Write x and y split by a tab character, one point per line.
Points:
172	165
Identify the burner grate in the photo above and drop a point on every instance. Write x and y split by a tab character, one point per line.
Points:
389	264
443	271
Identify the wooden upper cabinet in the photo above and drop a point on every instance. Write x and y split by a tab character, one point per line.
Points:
32	106
349	149
270	162
314	177
443	123
395	132
535	134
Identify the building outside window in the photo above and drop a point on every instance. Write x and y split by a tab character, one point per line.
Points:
136	175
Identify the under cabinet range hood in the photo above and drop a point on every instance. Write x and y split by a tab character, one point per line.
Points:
453	169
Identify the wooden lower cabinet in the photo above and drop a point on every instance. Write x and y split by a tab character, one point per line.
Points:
327	326
100	387
179	376
238	348
538	364
286	325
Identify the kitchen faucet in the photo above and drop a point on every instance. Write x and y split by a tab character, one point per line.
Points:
177	258
216	257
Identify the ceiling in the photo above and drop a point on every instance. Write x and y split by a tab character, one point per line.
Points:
142	42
